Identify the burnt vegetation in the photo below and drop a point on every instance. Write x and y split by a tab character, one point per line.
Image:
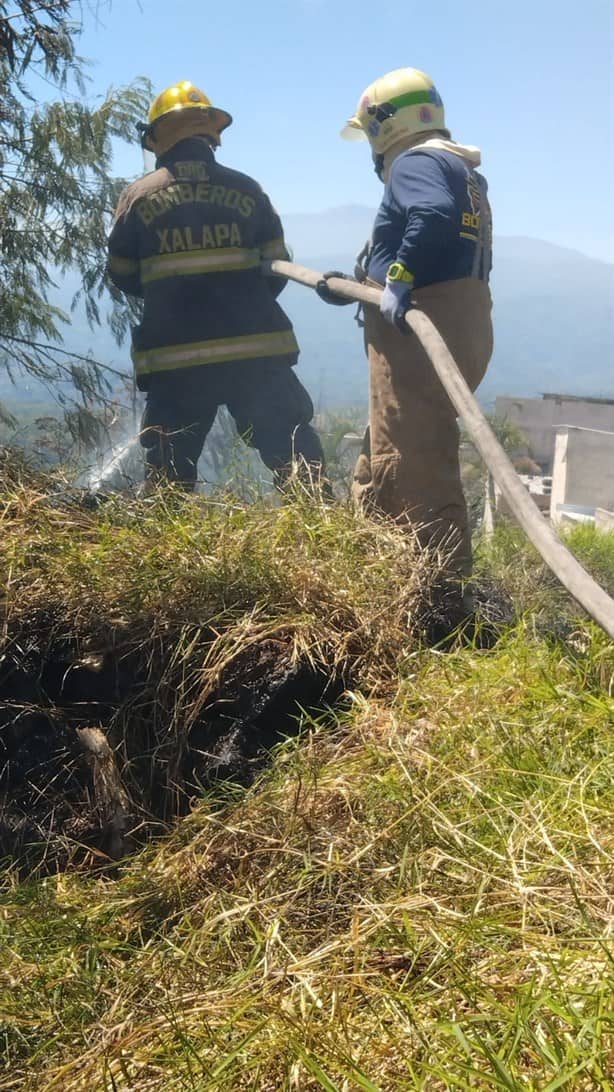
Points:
153	648
427	863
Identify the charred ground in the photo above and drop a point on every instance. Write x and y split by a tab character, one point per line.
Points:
154	648
415	893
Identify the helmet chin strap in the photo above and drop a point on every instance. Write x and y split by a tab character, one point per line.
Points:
144	131
378	165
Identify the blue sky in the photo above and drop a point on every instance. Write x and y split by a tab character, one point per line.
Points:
530	81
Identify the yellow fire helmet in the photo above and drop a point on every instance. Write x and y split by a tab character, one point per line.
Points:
401	103
182	110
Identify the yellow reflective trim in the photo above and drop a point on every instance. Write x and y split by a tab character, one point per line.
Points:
122	265
222	260
276	248
193	353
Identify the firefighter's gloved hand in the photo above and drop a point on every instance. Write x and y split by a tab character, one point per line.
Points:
395	301
326	293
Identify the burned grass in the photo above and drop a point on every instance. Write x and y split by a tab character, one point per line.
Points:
151	648
416	897
417	893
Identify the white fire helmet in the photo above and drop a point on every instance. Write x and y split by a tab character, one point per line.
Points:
401	103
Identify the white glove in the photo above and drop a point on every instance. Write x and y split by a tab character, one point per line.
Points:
395	302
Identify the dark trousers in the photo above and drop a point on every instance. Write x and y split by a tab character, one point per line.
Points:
271	409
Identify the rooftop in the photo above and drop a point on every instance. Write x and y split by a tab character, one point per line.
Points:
579	398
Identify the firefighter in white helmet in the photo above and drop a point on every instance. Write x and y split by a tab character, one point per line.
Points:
430	249
189	239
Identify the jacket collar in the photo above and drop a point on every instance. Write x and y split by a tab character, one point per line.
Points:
439	140
190	148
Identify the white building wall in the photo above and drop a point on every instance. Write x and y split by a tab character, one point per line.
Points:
537	418
604	519
583	471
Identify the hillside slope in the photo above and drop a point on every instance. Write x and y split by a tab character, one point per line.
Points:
415	894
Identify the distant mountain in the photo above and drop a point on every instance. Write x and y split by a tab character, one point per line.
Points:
554	320
334	231
553	314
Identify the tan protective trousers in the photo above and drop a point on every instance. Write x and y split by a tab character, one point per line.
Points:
409	465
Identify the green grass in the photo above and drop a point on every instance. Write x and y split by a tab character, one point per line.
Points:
418	895
512	561
420	898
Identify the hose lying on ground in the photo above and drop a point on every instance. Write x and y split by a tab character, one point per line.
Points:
558	558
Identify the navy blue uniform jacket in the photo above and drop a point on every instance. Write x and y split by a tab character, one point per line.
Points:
434	218
189	239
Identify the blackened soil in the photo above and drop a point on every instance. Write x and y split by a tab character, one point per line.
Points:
448	619
94	757
259	701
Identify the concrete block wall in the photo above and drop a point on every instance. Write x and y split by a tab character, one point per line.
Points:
582	473
537	418
604	519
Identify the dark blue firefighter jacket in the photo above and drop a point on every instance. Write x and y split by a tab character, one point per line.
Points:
434	219
189	239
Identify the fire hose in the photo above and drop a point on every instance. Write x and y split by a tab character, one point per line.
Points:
580	584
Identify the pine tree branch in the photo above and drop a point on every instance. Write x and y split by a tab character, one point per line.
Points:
48	348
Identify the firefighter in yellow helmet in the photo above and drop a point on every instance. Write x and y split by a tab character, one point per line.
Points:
179	112
189	239
430	249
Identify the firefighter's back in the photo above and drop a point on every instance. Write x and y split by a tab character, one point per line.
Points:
198	231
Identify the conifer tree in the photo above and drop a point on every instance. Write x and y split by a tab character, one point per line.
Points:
56	198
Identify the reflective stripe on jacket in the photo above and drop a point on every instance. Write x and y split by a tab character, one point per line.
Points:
184	355
189	239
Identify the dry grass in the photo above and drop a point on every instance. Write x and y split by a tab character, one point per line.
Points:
417	896
154	570
149	605
419	899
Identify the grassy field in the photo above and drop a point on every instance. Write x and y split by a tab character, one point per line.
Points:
415	894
